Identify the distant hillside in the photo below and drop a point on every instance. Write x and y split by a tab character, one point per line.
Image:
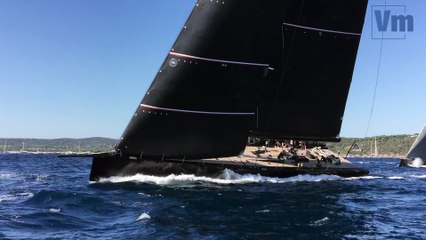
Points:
95	144
395	145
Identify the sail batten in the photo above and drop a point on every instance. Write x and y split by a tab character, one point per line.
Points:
321	29
218	60
194	111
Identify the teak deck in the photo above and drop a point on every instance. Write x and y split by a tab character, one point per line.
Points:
270	159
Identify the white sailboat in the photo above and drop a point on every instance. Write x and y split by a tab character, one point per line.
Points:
5	146
376	153
23	148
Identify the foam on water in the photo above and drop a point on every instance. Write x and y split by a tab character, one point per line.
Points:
7	175
417	163
396	178
12	197
143	216
227	177
42	177
54	210
418	176
263	211
7	197
320	222
363	177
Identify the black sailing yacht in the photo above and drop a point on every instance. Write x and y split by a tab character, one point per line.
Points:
272	69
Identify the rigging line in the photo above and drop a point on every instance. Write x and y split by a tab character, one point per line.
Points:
375	88
376	84
285	60
349	151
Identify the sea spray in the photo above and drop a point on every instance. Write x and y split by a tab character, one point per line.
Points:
143	216
227	177
54	210
417	163
363	177
396	178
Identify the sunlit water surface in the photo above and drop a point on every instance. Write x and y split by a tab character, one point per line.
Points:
43	197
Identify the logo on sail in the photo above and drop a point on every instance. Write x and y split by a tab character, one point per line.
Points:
173	62
391	22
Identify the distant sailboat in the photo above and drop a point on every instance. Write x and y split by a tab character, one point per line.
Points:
376	153
5	146
416	156
277	70
23	148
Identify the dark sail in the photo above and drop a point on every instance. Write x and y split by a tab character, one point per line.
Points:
305	95
270	68
418	149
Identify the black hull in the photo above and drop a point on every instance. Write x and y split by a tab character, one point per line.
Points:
104	167
405	162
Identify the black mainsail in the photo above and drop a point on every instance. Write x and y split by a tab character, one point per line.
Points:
276	68
269	68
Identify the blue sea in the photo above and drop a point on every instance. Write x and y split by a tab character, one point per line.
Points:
44	197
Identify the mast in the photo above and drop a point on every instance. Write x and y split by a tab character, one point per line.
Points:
375	147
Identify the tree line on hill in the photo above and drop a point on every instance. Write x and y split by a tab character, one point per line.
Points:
96	144
388	146
391	146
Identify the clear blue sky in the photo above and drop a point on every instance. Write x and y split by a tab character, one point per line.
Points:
74	68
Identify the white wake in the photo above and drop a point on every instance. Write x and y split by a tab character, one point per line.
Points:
417	163
227	177
143	216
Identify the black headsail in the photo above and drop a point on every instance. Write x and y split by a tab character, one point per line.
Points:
418	149
276	68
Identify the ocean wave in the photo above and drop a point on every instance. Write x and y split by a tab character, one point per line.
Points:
54	210
319	222
7	175
395	178
418	176
363	177
7	197
227	177
263	211
18	196
42	177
